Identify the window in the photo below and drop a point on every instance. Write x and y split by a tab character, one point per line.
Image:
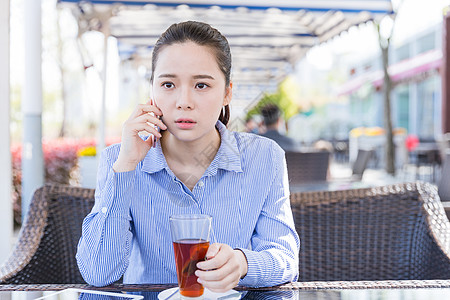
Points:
402	53
426	96
426	43
401	107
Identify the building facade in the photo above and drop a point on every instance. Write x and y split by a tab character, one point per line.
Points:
416	98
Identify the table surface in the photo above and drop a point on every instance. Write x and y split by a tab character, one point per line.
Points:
380	294
334	290
326	186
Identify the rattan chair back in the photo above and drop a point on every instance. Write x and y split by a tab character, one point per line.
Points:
396	232
47	243
304	167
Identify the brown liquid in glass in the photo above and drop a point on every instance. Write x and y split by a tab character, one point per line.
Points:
188	252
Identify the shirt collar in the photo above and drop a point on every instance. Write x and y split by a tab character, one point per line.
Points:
227	157
154	161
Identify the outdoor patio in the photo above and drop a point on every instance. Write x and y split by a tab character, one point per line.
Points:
368	176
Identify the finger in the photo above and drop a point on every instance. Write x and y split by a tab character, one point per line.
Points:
151	119
220	286
150	130
220	257
151	109
217	274
151	141
143	126
213	250
152	103
144	109
213	263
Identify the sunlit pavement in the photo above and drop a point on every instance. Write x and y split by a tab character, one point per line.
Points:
375	177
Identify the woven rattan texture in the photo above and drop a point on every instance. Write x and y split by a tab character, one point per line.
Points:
314	285
396	232
46	247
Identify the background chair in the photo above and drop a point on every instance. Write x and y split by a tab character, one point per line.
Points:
396	232
305	167
443	143
47	243
444	182
427	160
360	164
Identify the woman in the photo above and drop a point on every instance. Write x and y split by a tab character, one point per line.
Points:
194	165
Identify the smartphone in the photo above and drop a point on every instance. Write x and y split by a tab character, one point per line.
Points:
80	294
153	102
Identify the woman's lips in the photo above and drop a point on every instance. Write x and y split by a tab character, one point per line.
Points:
185	123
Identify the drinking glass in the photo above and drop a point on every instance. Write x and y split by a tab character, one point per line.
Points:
190	237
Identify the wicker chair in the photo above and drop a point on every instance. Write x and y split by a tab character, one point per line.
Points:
396	232
305	167
46	247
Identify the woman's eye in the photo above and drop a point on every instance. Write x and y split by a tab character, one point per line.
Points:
201	86
167	85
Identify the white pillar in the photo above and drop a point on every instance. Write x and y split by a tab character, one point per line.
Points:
32	156
101	132
6	218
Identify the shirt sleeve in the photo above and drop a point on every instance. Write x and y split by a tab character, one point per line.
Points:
273	259
104	246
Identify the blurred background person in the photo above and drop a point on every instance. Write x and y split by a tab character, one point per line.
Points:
272	120
251	125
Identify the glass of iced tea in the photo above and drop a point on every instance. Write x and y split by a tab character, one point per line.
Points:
190	237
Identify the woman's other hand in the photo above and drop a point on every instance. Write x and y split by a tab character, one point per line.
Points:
223	268
133	148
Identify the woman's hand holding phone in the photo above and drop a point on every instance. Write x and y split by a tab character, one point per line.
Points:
133	148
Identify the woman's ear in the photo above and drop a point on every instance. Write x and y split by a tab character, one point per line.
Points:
228	94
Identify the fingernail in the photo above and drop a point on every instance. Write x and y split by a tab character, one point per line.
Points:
199	280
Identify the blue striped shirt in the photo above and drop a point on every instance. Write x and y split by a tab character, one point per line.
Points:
245	190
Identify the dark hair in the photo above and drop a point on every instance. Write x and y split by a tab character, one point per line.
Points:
202	34
271	114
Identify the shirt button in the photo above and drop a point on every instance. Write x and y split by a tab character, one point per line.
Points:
104	210
201	184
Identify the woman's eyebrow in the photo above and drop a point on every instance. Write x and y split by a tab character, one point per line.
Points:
167	75
203	77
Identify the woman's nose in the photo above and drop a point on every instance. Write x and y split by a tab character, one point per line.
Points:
184	100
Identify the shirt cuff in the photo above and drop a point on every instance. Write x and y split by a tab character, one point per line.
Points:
257	267
117	193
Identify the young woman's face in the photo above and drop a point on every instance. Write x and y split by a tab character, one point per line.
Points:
190	90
